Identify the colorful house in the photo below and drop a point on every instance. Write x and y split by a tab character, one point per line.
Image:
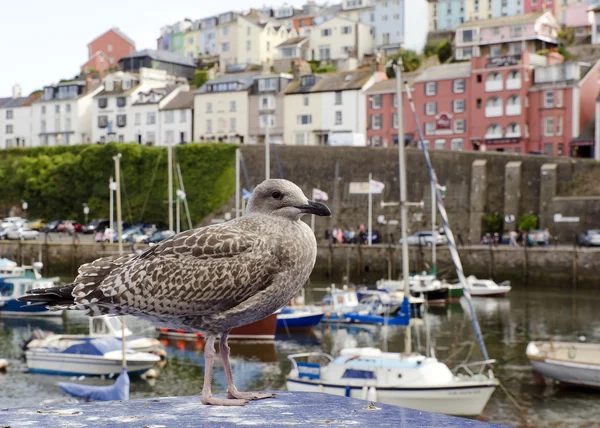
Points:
106	50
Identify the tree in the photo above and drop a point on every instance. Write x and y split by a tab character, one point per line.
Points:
411	61
528	222
200	78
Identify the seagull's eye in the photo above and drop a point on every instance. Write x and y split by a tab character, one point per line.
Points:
277	195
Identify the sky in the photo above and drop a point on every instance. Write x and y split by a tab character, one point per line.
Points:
46	40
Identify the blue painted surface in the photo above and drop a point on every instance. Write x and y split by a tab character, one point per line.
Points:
15	307
299	409
300	323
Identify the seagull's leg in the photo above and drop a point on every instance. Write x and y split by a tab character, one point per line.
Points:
209	357
232	391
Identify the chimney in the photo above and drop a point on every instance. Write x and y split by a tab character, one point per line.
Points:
300	68
16	92
88	83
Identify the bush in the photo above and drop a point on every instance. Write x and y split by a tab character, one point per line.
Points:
411	61
441	48
528	222
55	181
492	223
200	78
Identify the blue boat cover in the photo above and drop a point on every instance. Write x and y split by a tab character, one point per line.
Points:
93	346
117	391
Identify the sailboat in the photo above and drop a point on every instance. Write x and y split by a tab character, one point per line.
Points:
405	379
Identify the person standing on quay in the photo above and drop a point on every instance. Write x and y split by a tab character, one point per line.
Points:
546	237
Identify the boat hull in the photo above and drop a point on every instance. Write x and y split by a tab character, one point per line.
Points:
463	400
437	296
569	373
77	365
298	322
492	292
455	292
13	308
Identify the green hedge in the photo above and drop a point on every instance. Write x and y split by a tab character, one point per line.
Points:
56	181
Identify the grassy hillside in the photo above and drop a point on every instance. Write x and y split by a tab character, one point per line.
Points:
56	181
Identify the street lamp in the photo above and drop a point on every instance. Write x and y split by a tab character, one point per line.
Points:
86	211
24	205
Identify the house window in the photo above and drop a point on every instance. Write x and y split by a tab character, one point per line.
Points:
456	144
395	120
248	45
182	116
102	102
43	109
549	98
559	126
458	86
430	88
495	50
376	102
440	144
559	98
516	31
338	98
458	106
548	126
559	150
209	126
460	126
121	120
9	129
267	120
126	83
209	107
169	116
57	108
429	128
121	101
151	137
150	118
376	141
496	31
467	36
232	124
395	100
224	31
430	108
304	119
43	126
138	118
425	143
326	32
232	106
515	48
338	117
548	149
325	52
102	121
347	29
305	100
376	121
67	124
224	47
68	108
9	114
494	131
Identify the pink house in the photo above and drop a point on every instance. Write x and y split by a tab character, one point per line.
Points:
579	17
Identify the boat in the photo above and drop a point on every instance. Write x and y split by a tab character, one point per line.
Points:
292	318
88	357
571	363
16	286
100	327
486	287
263	330
407	380
343	306
421	285
455	291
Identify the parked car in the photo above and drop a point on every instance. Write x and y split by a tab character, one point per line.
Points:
4	231
13	221
535	237
65	226
22	233
590	238
96	225
37	224
52	226
159	236
425	238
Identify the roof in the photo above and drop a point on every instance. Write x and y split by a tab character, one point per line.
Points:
445	72
389	86
118	90
162	91
588	134
182	100
246	79
118	32
163	56
504	20
331	82
15	102
293	41
4	101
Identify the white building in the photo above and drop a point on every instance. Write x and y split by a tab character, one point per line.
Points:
15	120
207	43
112	110
63	114
340	39
177	118
329	108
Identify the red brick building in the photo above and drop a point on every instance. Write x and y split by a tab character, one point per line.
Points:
520	104
106	50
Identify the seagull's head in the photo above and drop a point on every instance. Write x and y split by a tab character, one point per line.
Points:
283	198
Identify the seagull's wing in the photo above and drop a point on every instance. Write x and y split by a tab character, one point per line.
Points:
199	272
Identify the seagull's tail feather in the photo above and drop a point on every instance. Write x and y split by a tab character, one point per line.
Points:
53	298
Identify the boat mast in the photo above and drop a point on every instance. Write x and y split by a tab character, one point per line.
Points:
170	177
117	160
403	197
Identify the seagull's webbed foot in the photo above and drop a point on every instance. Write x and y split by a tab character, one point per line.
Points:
214	401
234	393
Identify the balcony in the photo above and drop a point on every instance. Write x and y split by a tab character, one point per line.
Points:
493	111
512	84
493	85
512	110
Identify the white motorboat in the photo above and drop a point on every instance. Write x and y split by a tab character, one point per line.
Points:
423	286
407	380
571	363
88	356
486	287
100	327
14	287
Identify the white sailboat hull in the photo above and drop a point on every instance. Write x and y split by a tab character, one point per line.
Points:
89	365
461	400
489	292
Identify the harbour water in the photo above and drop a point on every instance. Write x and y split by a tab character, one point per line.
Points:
508	325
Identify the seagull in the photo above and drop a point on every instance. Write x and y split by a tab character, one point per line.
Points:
210	279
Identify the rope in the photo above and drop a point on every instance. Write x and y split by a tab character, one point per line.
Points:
512	399
277	160
245	171
449	234
126	198
151	186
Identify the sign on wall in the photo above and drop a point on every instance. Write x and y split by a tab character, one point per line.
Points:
443	122
503	61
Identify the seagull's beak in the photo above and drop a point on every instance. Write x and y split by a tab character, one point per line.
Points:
315	208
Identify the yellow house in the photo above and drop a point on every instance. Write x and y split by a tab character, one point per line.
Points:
191	44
